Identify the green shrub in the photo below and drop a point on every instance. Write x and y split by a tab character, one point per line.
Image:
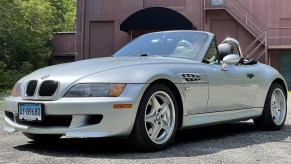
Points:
9	77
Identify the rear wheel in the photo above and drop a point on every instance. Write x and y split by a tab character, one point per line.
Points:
42	137
156	121
275	109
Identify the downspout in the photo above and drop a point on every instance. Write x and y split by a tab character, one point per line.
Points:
82	29
202	15
267	27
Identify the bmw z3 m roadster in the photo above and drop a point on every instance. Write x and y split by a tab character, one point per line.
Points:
157	84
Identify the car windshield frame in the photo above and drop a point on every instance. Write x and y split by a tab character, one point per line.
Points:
177	44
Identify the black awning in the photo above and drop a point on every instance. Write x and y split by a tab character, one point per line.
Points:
156	18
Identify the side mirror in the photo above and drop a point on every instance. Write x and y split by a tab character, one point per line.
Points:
228	60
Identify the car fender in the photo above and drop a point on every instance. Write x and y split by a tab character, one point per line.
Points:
266	75
139	74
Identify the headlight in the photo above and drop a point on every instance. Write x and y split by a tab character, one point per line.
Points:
96	90
16	91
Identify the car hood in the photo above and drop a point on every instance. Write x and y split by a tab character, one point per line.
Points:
70	72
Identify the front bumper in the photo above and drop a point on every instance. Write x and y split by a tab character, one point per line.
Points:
114	122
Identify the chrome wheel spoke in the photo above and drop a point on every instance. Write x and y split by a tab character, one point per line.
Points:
276	115
155	131
278	111
165	123
155	104
165	107
150	118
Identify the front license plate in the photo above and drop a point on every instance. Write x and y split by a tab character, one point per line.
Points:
30	111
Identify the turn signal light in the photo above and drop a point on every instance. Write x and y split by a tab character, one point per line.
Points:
118	106
116	89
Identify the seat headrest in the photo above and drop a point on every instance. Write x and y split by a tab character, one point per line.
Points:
183	46
184	43
225	49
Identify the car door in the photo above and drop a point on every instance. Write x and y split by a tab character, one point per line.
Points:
232	89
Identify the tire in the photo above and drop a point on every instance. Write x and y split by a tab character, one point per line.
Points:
275	109
156	120
45	138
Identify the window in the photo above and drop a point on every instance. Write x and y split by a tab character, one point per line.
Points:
211	54
184	44
217	3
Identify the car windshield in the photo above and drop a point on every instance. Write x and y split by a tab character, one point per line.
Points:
181	44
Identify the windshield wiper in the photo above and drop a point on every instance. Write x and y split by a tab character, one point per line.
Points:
143	55
146	54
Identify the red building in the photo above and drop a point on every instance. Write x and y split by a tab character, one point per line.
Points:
263	27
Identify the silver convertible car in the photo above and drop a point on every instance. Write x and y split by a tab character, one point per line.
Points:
157	84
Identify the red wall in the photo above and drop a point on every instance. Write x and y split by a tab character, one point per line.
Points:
98	22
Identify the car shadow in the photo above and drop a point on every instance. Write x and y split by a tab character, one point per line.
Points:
188	143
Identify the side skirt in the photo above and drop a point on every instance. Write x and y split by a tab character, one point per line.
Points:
206	119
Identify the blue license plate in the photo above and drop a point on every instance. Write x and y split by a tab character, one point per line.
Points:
30	111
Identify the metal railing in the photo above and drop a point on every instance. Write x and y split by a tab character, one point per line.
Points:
242	14
246	18
260	41
279	37
251	23
271	38
265	38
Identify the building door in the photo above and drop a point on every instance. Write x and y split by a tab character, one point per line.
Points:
224	28
285	66
101	39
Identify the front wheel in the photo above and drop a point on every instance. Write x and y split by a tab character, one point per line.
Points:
275	109
156	120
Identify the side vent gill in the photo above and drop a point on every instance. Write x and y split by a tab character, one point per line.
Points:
191	77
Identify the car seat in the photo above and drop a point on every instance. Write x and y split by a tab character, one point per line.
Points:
224	49
183	49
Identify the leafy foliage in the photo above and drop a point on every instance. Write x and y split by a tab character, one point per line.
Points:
26	33
7	76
